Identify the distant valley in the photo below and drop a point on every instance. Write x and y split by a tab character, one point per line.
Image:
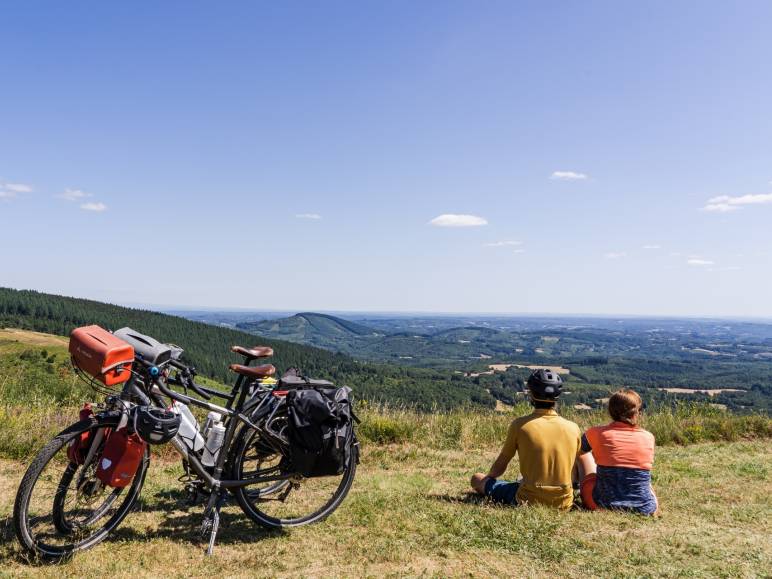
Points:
724	362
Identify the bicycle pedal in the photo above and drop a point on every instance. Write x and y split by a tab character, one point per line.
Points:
193	495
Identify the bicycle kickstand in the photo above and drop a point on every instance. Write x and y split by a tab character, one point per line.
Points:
211	522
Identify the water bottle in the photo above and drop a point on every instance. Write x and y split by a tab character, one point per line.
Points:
211	418
214	440
188	431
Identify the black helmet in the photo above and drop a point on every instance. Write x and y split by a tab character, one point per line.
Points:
545	385
155	425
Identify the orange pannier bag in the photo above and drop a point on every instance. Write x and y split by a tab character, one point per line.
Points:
121	458
100	354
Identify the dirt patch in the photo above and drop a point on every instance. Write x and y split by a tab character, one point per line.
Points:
709	392
558	369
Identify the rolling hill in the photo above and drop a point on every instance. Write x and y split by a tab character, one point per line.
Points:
320	330
208	348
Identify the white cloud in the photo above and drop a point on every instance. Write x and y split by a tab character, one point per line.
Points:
653	246
18	187
11	190
458	220
518	251
97	207
615	255
314	216
699	262
727	203
74	195
567	176
503	243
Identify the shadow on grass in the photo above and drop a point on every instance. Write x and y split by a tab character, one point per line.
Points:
180	521
12	552
464	499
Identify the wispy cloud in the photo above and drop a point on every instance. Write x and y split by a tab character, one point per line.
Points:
568	176
11	190
97	207
18	187
615	255
313	216
699	262
74	195
503	243
518	250
458	220
727	203
652	246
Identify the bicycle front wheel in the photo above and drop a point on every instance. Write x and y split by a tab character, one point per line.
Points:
288	503
61	507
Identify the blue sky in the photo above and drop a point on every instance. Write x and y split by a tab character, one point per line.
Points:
562	157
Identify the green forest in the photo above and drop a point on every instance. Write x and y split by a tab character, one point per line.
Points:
599	361
208	349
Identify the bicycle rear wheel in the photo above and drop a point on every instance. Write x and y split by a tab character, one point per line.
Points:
61	507
287	503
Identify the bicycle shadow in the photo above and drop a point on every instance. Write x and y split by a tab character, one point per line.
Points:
178	521
181	522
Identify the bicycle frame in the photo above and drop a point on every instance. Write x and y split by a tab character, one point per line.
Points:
235	412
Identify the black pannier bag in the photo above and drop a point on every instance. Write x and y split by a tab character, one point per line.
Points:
320	431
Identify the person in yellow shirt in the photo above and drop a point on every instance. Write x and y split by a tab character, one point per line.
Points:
547	446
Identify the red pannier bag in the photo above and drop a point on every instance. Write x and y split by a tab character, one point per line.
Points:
78	448
102	355
121	458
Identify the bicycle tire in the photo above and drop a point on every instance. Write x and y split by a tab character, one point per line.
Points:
25	533
243	441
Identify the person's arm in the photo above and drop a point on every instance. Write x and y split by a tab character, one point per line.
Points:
499	466
584	445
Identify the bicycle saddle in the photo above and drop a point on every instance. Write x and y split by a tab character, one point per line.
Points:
254	371
255	352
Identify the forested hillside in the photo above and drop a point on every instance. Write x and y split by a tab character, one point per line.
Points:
208	348
320	330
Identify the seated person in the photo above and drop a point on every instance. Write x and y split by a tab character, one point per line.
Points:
616	460
547	446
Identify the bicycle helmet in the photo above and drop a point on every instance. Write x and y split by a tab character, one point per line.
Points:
545	385
155	425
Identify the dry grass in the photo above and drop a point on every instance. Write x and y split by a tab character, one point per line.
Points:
409	515
32	338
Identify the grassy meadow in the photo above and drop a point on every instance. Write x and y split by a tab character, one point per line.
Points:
409	512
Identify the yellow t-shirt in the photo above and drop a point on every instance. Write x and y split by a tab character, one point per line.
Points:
547	445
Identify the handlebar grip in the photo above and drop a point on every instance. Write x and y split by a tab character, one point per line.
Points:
197	389
171	393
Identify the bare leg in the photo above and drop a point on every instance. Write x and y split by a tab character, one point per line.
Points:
478	482
586	465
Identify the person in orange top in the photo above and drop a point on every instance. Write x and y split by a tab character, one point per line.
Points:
547	446
617	459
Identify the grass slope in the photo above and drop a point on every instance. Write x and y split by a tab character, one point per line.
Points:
409	514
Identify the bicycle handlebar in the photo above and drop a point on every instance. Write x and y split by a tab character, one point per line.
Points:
187	376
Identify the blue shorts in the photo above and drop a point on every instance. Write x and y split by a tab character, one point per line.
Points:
502	491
